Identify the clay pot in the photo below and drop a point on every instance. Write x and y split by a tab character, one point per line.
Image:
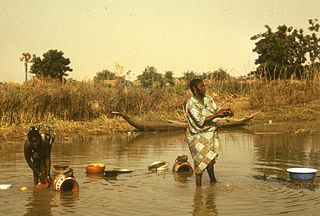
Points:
184	167
64	183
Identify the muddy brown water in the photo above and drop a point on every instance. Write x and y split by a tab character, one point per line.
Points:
245	157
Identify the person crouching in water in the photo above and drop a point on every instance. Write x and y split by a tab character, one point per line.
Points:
202	136
37	152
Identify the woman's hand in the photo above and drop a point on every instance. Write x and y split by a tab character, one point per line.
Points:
220	114
225	112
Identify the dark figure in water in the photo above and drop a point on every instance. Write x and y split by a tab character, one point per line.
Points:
37	151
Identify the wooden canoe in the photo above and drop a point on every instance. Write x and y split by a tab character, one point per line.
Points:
152	126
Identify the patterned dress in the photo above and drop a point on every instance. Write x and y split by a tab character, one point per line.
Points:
202	137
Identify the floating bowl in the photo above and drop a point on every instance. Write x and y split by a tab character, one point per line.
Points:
302	174
110	173
119	170
115	172
95	168
158	166
5	186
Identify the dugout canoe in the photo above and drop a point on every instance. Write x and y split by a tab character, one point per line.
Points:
152	126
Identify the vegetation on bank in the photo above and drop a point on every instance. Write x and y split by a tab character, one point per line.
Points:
84	108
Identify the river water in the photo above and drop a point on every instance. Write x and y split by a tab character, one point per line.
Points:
251	173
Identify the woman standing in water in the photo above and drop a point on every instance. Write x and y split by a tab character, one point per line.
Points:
202	136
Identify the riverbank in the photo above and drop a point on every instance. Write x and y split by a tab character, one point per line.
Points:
111	125
79	109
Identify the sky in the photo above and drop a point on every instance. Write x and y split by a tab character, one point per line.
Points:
170	35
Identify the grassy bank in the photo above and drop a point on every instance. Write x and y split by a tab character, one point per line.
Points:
76	109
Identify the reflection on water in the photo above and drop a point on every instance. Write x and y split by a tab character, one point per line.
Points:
67	199
182	177
204	201
42	201
279	152
246	156
39	202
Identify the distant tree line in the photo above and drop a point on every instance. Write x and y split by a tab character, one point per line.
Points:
53	65
282	54
150	77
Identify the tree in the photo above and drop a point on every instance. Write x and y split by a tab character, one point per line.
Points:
52	65
26	58
190	75
168	78
150	77
218	75
284	53
104	75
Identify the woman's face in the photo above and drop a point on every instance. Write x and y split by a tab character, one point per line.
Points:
201	89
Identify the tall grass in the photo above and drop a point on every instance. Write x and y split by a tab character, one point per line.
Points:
279	93
264	93
37	101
